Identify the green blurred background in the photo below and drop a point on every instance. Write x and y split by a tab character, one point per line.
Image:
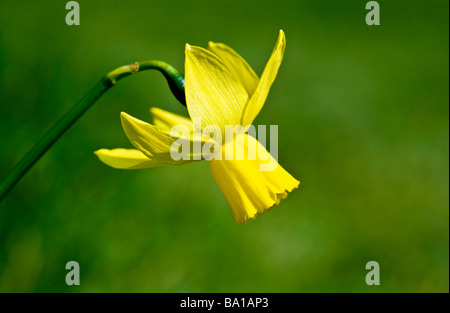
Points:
363	124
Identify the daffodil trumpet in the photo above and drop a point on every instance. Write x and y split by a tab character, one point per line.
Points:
222	91
173	77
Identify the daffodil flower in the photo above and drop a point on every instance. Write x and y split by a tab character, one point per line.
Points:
221	89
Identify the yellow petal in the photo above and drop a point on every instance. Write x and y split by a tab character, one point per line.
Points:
167	120
268	76
237	65
153	142
125	159
249	190
212	91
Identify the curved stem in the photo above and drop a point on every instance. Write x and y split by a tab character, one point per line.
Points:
176	84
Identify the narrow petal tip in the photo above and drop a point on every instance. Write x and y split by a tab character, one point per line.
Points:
129	122
282	36
125	116
155	110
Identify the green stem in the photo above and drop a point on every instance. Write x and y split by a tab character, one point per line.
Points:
176	84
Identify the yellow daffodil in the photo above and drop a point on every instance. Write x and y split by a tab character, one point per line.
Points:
221	89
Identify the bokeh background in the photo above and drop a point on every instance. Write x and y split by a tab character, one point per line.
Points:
363	124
